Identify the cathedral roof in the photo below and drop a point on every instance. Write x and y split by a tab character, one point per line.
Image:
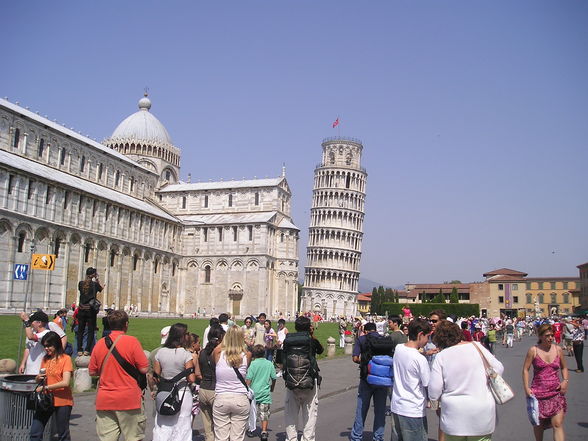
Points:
50	174
142	126
223	185
228	218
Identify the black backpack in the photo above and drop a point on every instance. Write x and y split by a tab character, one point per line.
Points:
300	366
374	345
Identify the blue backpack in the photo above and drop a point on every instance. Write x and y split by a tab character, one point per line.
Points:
380	371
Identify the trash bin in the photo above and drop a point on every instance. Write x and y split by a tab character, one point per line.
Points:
15	419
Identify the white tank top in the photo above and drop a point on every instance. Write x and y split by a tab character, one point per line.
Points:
226	377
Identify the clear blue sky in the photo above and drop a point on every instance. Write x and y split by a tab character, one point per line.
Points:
473	114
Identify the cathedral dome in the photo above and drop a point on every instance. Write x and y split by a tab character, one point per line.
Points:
142	126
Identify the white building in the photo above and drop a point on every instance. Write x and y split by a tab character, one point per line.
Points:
163	245
331	276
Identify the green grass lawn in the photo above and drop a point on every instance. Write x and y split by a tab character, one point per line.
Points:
145	329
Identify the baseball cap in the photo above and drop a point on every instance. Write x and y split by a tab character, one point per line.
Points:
39	316
164	334
90	271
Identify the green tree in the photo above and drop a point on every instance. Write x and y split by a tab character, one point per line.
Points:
374	302
439	298
455	282
454	297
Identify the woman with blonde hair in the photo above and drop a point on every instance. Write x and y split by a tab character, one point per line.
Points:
230	410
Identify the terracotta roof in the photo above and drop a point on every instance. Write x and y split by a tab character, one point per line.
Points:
504	271
506	278
582	266
441	285
572	279
364	298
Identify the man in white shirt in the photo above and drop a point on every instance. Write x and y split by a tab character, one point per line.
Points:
36	326
411	378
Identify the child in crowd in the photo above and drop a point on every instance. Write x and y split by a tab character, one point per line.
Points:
261	377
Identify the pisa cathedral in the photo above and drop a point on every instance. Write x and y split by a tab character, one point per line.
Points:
166	246
331	276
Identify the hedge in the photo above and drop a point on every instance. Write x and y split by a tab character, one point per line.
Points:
424	309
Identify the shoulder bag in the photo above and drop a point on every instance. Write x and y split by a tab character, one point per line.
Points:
42	401
499	388
128	367
252	406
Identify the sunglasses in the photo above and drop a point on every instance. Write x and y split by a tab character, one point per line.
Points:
433	321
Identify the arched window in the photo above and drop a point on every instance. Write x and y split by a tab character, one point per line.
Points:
112	256
82	164
21	238
173	269
100	170
132	183
183	201
207	274
282	237
553	297
135	260
167	175
529	298
87	253
155	266
41	148
16	139
62	157
566	297
230	200
56	247
540	296
256	198
205	201
116	178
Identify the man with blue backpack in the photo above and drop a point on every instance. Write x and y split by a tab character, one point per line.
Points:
373	353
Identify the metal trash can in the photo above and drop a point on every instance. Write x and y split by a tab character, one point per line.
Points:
15	419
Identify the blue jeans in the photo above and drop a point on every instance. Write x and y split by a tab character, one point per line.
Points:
411	429
365	392
61	416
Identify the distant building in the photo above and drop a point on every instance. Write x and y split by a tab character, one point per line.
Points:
510	292
364	302
583	294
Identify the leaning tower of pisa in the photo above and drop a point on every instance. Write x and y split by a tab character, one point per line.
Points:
331	276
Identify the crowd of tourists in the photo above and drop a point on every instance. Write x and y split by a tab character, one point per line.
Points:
226	377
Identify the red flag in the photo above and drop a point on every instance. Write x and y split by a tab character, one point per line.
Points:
336	123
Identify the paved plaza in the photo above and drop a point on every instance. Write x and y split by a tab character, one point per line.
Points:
338	399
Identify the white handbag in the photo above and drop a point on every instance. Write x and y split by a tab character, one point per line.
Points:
499	388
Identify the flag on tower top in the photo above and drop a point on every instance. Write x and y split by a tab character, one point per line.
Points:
336	123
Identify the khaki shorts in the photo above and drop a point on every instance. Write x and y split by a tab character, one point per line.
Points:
111	423
468	438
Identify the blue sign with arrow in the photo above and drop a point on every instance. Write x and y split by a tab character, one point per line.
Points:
21	271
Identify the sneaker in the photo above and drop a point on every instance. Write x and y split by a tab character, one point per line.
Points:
264	436
86	353
279	374
80	353
249	433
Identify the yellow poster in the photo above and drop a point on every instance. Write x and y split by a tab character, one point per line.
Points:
43	261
